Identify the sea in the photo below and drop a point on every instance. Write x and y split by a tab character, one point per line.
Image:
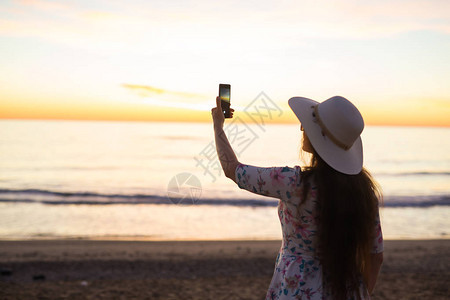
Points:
162	180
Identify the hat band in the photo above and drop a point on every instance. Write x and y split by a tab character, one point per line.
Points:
326	132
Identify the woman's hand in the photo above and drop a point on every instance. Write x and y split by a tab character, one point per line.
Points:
217	114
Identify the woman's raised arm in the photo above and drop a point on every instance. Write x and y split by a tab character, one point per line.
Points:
225	152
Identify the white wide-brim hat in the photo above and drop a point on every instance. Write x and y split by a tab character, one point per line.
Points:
334	129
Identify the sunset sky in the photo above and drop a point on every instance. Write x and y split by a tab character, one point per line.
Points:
163	60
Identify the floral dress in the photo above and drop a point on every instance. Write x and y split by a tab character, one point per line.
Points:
298	272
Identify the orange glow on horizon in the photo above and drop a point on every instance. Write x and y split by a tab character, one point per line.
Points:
392	116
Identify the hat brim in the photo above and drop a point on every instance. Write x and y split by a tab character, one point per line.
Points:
345	161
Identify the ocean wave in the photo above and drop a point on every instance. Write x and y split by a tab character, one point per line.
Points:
416	201
71	194
416	173
90	198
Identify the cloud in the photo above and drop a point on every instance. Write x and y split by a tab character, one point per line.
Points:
134	22
149	91
355	19
168	98
176	99
45	5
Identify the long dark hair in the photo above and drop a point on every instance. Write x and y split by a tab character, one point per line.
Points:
347	206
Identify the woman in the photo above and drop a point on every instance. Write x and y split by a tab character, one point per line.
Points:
332	246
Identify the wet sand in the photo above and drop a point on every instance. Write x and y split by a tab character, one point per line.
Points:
83	269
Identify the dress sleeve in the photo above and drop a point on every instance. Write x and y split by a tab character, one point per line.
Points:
277	182
378	246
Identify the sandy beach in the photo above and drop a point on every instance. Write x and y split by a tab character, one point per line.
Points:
83	269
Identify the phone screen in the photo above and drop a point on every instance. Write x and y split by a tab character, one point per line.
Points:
224	92
225	95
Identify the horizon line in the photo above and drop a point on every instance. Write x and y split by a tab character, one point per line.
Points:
203	121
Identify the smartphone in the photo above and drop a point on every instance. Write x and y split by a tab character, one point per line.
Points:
225	95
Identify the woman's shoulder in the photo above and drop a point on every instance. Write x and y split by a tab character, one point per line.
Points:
271	171
279	182
285	176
